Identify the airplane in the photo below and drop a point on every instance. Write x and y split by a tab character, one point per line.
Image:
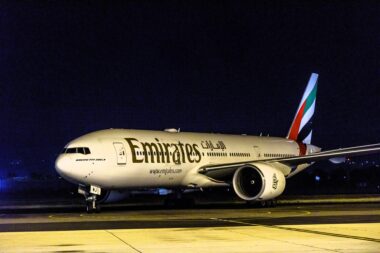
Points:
107	163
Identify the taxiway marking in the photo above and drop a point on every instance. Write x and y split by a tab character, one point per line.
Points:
302	230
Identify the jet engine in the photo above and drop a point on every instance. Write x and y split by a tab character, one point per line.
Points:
111	196
258	181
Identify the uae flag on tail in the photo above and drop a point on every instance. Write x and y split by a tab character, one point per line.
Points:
301	128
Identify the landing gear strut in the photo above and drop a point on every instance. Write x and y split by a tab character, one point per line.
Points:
263	204
92	205
90	196
269	203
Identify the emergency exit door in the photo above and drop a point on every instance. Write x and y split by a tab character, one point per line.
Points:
121	155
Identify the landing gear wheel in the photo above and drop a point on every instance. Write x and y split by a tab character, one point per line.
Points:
273	203
90	195
268	203
176	200
88	207
169	203
263	204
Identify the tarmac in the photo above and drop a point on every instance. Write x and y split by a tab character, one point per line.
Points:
349	227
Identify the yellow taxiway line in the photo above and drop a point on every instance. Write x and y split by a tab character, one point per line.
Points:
254	238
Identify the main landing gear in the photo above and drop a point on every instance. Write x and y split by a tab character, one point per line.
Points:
90	195
263	204
176	200
269	203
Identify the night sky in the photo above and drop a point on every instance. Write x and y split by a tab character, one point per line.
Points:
71	67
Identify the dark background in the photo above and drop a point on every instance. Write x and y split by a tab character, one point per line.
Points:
71	67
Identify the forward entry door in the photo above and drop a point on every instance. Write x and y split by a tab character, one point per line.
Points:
121	155
257	152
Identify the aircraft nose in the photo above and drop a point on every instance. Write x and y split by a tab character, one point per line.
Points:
62	166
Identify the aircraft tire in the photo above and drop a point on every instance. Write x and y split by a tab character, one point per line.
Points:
88	207
265	204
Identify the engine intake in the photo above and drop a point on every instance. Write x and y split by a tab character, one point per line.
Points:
258	182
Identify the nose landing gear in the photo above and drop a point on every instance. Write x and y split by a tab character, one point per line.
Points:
90	196
91	204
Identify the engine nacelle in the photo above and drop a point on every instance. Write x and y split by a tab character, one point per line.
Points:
113	196
258	181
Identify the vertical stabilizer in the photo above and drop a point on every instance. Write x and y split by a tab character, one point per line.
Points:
300	129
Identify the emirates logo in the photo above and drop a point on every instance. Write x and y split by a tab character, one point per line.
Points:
275	181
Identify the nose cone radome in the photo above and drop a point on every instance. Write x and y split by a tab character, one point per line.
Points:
60	165
64	168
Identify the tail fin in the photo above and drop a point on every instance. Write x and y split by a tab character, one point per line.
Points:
300	129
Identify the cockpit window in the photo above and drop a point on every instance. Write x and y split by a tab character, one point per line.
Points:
86	151
71	150
78	150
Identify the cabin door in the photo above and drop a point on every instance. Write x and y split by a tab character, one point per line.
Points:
257	152
121	155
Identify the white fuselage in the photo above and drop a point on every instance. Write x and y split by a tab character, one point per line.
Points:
121	158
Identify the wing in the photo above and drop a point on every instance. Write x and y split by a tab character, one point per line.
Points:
334	153
221	171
